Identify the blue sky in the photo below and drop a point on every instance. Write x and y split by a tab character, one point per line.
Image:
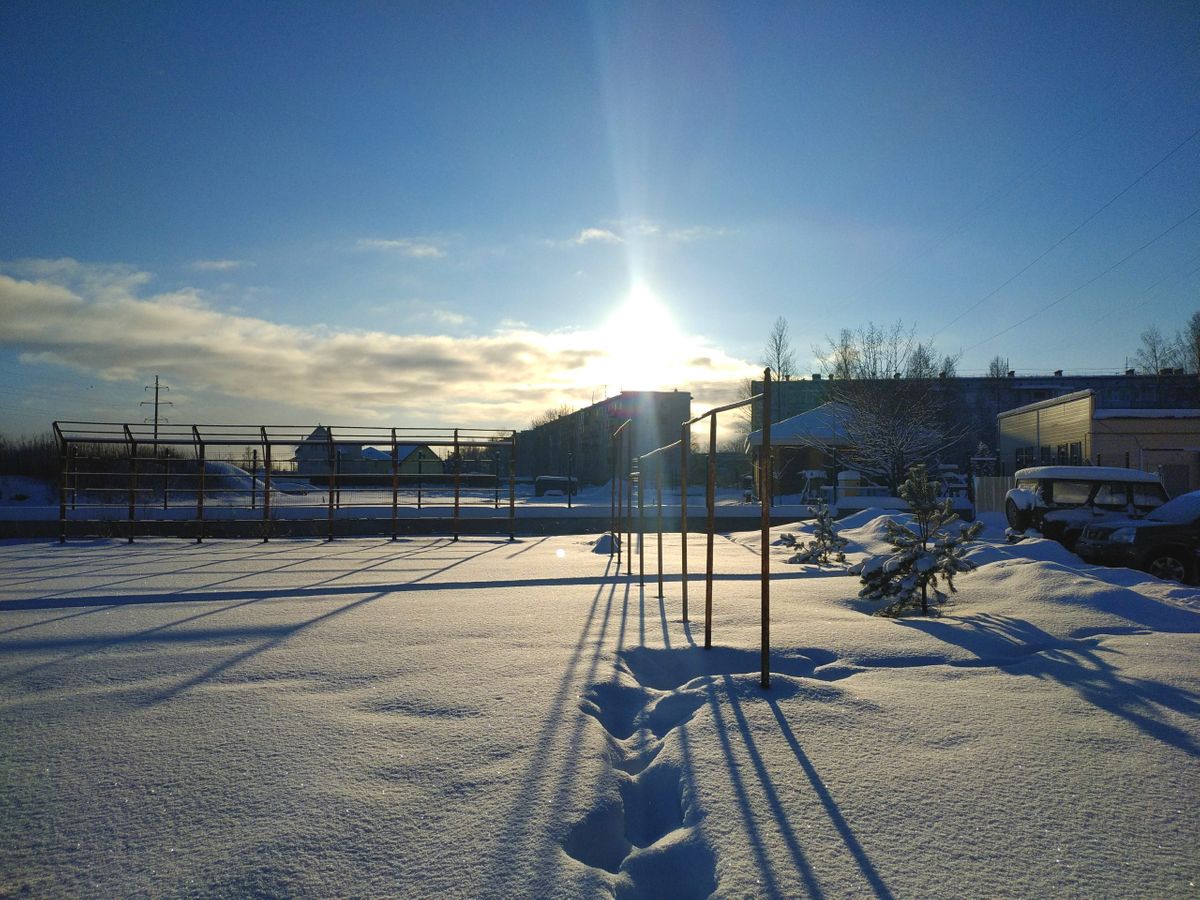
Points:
440	214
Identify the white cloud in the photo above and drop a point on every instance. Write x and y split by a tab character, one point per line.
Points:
596	236
632	230
225	360
417	249
219	265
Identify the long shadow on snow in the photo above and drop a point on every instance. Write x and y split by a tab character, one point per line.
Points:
1018	647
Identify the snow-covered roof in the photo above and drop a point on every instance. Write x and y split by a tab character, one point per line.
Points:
823	424
1087	473
1146	414
1043	404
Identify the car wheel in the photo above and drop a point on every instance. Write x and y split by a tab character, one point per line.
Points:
1168	565
1018	519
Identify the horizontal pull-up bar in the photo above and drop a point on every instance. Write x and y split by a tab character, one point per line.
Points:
720	409
662	449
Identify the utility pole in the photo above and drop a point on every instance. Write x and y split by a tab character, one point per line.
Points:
157	387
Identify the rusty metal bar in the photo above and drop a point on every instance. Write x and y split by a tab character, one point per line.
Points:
641	493
629	504
457	482
711	495
396	481
685	441
200	492
764	496
512	486
720	409
266	486
331	452
132	482
64	459
658	473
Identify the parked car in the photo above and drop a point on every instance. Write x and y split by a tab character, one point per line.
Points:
1059	501
1166	543
555	486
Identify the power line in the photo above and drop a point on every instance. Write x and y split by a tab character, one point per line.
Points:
157	402
1125	190
1089	282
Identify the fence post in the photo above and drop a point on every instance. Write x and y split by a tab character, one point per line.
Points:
331	452
765	495
512	487
200	491
658	472
711	496
133	474
685	440
612	498
629	507
395	481
266	485
641	493
457	474
65	477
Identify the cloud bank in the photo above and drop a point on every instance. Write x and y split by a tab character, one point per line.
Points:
101	321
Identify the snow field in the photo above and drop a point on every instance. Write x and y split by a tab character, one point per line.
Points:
492	719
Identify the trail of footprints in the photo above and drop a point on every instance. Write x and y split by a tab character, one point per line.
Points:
647	834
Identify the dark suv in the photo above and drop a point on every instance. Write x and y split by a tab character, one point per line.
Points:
1059	501
1166	543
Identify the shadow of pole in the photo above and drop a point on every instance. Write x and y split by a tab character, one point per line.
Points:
831	807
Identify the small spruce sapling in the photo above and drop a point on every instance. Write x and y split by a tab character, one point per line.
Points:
920	554
826	547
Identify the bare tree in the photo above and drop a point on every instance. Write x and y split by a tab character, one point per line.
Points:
998	367
1188	345
551	415
889	402
1156	353
778	355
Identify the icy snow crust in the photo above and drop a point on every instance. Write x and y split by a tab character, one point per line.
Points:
424	718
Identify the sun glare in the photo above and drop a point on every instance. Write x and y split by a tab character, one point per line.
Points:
640	338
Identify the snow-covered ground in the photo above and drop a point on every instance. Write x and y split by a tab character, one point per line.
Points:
483	718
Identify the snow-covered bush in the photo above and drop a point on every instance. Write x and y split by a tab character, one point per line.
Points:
922	554
826	547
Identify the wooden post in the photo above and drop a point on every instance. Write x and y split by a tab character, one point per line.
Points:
685	440
765	494
457	476
266	485
395	482
711	496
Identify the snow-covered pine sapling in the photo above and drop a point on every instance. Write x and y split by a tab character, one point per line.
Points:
921	554
826	547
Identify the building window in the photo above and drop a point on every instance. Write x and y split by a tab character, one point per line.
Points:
1077	453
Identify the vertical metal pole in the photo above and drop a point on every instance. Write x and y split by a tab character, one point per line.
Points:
254	479
629	506
711	495
331	453
765	495
395	481
266	486
496	477
166	475
658	473
420	472
641	522
512	487
133	473
457	474
612	496
200	492
619	468
570	477
685	441
64	481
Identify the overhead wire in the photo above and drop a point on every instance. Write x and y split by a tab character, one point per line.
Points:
1121	193
1089	282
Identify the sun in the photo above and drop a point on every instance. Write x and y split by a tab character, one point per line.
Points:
641	341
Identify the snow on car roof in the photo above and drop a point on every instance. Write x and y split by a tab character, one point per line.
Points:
1088	473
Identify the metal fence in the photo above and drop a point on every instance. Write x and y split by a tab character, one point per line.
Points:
267	479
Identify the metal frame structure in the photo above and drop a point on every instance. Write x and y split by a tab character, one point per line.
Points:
126	459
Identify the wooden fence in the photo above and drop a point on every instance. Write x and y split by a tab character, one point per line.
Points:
990	491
